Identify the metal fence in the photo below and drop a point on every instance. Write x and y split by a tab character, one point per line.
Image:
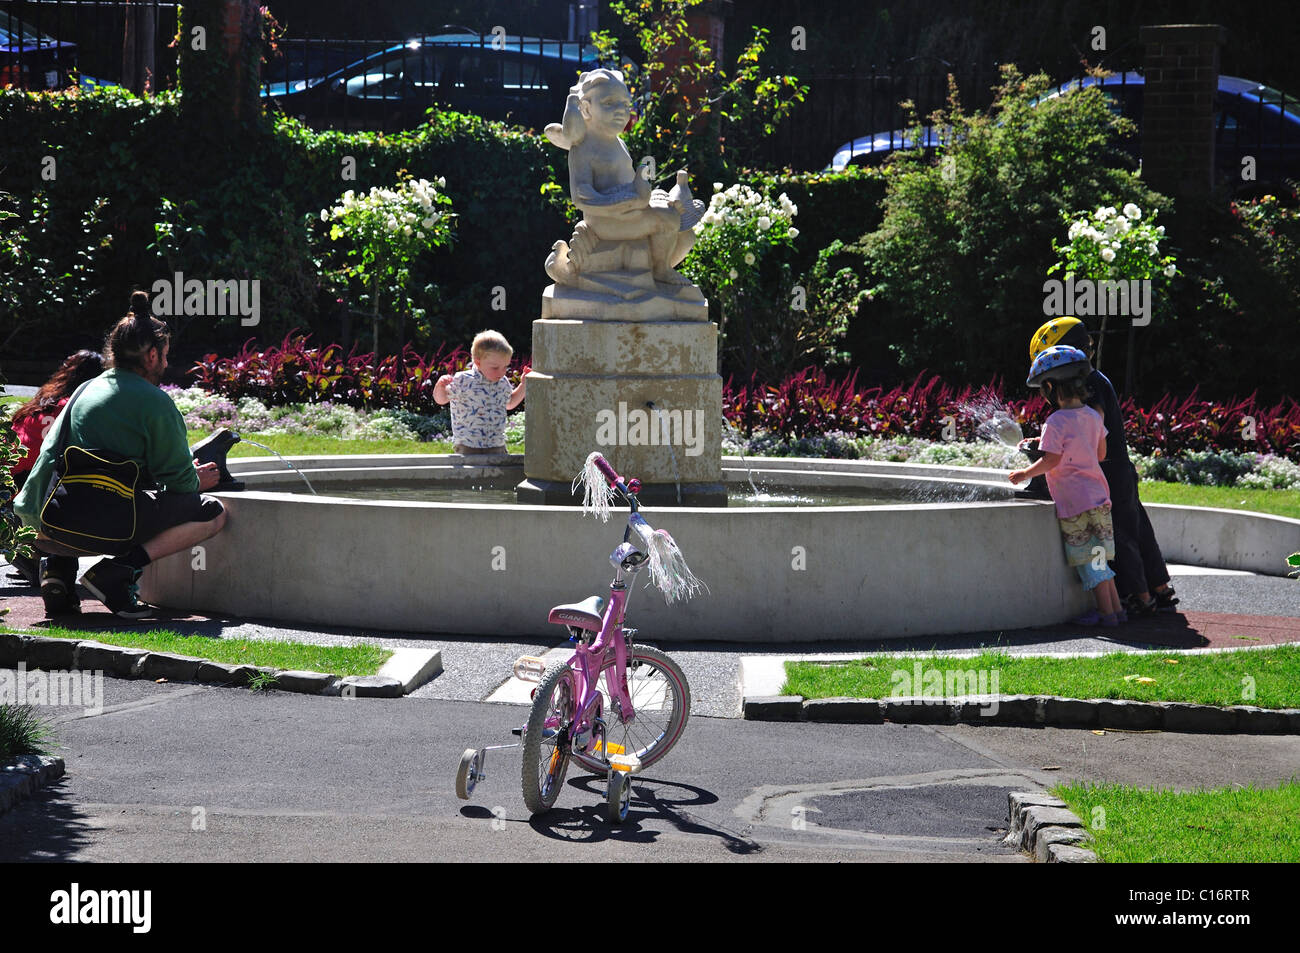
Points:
388	84
54	44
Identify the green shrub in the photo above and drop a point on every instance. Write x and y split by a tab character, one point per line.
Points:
958	260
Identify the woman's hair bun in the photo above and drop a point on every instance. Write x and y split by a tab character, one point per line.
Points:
140	303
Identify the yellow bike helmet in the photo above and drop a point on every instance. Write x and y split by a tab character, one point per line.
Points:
1070	331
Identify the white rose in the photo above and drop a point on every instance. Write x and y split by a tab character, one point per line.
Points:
794	233
733	274
324	215
406	230
717	186
764	223
1170	271
1107	255
1160	230
428	222
1132	211
749	258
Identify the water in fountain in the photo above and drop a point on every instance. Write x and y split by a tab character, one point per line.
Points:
663	432
993	421
282	460
741	440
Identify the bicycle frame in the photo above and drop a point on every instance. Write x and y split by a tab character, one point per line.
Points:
589	658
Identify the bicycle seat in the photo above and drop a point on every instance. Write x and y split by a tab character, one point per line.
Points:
587	614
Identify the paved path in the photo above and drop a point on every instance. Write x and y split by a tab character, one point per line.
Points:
188	772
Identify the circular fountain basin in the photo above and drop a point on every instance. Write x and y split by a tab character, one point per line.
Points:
980	560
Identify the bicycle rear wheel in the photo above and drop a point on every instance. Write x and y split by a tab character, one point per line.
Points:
661	699
546	740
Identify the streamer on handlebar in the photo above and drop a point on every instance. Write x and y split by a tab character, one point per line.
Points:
668	570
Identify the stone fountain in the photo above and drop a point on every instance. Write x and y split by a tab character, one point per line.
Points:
624	355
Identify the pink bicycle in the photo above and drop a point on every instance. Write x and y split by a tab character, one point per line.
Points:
642	710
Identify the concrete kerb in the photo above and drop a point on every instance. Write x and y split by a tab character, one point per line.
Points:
407	670
24	775
1028	711
1043	826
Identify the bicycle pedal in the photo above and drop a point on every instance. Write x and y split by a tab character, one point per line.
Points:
612	748
625	763
529	668
518	732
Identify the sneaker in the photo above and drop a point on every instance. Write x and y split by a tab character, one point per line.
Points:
29	568
1091	617
116	585
1165	601
1111	620
58	594
1137	608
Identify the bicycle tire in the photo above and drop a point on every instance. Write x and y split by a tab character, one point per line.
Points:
654	731
545	759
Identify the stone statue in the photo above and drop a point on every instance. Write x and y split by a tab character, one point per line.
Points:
632	236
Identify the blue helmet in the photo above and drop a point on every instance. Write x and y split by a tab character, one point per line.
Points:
1057	363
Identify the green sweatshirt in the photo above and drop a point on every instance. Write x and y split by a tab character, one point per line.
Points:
121	411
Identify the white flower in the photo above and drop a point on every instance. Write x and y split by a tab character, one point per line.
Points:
1170	271
1132	211
419	234
717	186
1160	230
733	274
749	258
406	230
764	223
794	233
324	215
428	222
442	182
1153	250
1075	229
1107	255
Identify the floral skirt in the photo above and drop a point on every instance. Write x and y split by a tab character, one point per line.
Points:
1086	533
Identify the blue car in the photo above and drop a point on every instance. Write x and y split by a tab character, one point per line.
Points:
522	80
1250	119
32	61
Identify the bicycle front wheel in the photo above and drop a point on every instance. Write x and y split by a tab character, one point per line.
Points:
661	700
546	740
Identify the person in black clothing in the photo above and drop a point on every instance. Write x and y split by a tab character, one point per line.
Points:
1140	572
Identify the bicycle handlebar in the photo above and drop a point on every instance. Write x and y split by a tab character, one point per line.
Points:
628	488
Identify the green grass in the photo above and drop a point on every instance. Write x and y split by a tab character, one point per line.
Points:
1214	678
1276	502
296	445
21	732
332	659
1240	825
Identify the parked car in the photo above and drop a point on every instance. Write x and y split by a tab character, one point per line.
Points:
1250	119
32	61
523	80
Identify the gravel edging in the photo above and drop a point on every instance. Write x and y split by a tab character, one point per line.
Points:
24	775
1028	710
126	662
1043	826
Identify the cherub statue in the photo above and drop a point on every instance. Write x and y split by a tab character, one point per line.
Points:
616	199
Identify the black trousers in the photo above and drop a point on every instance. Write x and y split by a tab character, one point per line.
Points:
1139	565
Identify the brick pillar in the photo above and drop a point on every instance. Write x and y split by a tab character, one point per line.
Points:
1182	75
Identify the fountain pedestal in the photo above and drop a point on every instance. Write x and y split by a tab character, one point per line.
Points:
591	388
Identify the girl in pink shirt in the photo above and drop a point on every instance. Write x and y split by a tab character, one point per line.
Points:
1073	444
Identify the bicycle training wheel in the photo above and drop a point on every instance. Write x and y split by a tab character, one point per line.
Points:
662	702
546	740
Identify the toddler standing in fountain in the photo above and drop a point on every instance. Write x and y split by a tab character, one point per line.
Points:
481	396
1073	444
